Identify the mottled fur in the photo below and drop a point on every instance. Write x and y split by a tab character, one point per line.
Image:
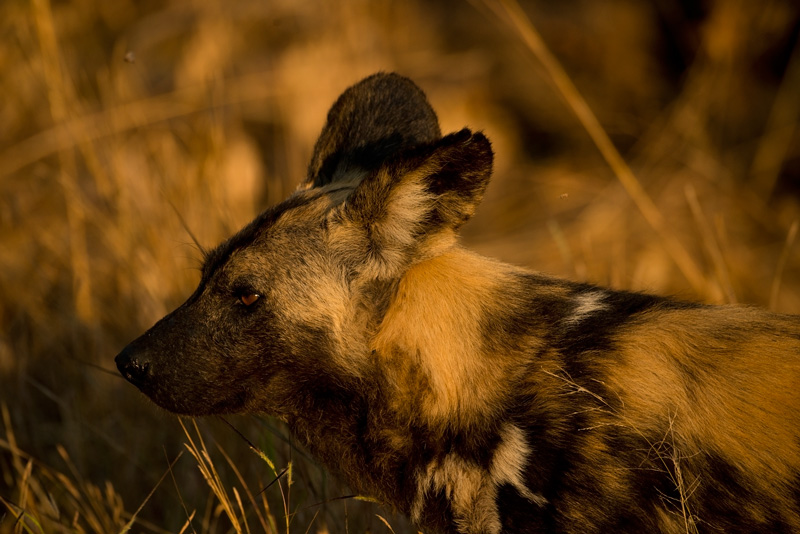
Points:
474	396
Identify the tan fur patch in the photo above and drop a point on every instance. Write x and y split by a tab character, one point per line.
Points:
705	371
434	323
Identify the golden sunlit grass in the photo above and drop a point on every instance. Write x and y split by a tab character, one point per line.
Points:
51	501
638	146
518	20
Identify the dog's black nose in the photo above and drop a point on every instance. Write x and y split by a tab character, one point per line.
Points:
134	367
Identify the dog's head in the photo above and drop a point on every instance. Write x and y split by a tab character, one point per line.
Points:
289	301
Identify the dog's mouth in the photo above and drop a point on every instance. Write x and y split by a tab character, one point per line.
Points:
196	399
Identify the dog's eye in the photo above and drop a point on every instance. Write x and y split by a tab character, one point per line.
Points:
248	299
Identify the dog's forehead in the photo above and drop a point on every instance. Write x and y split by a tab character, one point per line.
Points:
282	225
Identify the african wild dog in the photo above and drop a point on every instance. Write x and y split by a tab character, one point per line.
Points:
469	394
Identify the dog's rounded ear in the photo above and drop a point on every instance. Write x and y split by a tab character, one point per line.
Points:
459	168
438	185
411	207
371	122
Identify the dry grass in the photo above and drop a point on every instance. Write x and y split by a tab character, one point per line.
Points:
123	121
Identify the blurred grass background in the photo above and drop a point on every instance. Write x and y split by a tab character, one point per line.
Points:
122	121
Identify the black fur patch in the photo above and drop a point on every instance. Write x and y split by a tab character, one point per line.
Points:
520	516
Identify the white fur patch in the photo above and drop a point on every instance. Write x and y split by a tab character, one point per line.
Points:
587	304
472	490
510	459
406	206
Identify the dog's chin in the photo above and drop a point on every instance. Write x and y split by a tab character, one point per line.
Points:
199	406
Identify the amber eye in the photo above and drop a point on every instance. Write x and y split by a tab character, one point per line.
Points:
249	298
